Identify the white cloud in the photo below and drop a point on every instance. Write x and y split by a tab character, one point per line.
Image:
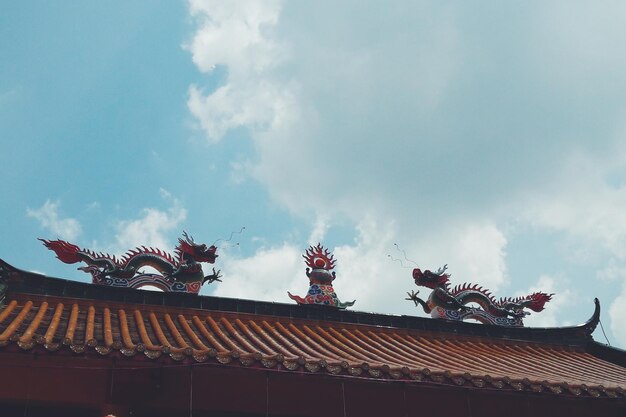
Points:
365	273
582	203
151	228
617	312
364	270
373	120
235	33
431	125
548	317
582	43
271	272
262	106
238	35
474	253
319	230
267	275
613	270
48	217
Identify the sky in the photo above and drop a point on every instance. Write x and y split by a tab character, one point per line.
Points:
487	136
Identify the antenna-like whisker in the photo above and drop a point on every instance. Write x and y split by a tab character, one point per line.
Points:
400	261
404	253
231	236
229	245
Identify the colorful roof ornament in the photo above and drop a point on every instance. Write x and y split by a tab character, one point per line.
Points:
179	273
452	304
320	263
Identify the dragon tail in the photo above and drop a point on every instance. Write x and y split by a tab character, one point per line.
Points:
536	301
296	298
65	251
345	304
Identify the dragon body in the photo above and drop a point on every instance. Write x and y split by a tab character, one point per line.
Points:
179	273
320	272
455	303
4	286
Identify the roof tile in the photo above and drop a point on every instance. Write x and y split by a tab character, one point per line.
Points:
244	336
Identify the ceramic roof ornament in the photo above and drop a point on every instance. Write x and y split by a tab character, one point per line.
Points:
320	264
452	303
179	273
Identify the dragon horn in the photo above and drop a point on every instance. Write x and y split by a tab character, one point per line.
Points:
188	238
442	270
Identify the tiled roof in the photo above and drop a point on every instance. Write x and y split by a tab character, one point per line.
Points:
460	354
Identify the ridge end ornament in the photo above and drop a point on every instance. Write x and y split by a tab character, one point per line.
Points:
320	264
449	303
181	272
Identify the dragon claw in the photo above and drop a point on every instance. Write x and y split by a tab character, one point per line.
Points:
213	277
412	296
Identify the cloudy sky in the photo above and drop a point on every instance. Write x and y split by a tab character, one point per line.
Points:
488	137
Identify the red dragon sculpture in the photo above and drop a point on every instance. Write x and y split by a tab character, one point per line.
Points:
320	264
180	273
452	304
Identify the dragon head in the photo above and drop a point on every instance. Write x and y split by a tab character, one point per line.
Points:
188	249
321	262
431	279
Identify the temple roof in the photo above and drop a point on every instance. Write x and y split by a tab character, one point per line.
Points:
72	318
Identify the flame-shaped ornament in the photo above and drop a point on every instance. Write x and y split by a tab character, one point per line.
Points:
320	264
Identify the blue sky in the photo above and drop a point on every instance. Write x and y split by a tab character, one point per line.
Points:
487	137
